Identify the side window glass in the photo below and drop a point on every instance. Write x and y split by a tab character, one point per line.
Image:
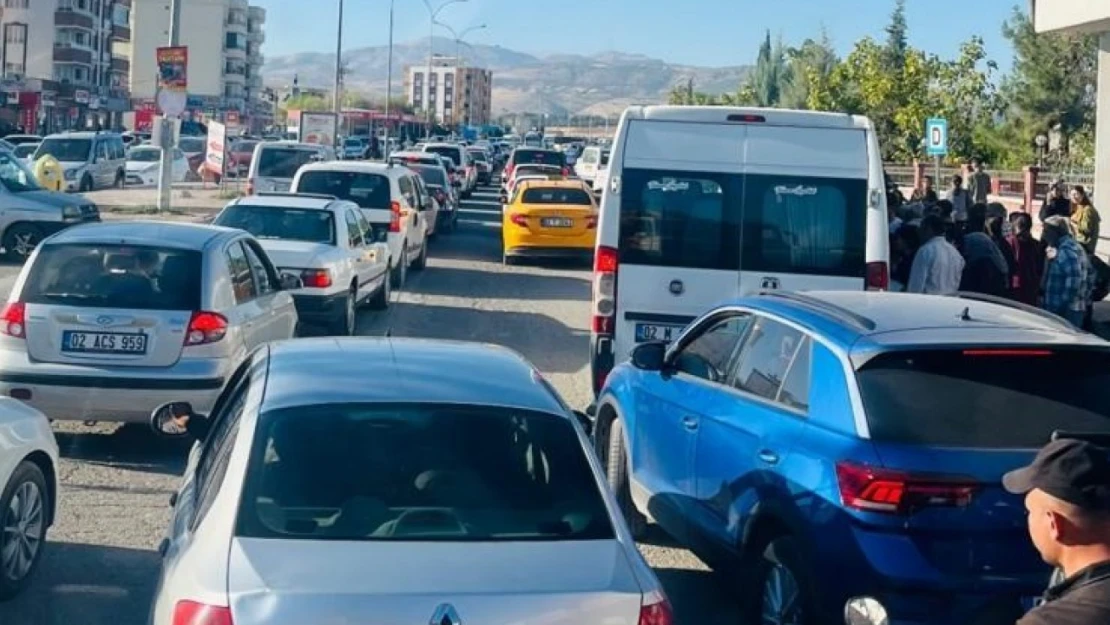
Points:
121	152
213	465
795	388
708	356
239	269
264	275
406	190
354	231
765	358
366	228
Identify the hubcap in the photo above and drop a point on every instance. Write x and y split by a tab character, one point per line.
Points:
25	243
780	598
23	528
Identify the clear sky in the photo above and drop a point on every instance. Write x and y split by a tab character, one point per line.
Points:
701	32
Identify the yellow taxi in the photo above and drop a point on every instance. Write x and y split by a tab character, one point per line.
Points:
549	219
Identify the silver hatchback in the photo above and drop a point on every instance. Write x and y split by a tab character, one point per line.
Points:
107	319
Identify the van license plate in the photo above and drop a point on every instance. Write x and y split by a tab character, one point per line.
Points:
557	222
656	332
103	342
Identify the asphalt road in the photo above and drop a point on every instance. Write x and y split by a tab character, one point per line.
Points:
100	566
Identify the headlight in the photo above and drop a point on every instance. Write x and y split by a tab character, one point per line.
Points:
71	212
70	174
865	611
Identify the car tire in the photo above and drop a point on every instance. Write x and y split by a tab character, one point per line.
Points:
346	324
421	261
380	301
86	184
20	240
120	180
25	492
616	469
782	585
398	273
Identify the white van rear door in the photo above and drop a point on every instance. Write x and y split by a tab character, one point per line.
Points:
805	209
680	211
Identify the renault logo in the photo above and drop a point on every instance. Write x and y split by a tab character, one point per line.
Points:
677	288
445	614
770	283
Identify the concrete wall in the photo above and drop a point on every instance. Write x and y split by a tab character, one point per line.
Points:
1081	15
202	30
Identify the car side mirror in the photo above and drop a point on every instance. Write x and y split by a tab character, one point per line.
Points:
650	356
291	282
170	420
585	421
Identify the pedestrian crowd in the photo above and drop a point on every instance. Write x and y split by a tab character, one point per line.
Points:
963	242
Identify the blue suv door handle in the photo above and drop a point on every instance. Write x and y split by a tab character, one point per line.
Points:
690	423
768	456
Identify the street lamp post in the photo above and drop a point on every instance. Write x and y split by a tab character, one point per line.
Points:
433	13
338	75
388	84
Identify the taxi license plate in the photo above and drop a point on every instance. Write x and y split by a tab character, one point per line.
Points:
103	342
557	222
656	332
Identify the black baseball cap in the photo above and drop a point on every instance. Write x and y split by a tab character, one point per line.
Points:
1070	470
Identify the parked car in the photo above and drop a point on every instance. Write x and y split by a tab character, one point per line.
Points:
355	149
274	165
29	213
327	244
91	160
391	199
144	165
839	445
195	149
18	140
806	186
474	483
549	219
105	318
240	156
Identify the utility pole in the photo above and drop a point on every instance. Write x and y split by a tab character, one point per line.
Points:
165	173
338	75
388	84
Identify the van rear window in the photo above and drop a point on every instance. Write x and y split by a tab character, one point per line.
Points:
276	162
366	190
680	219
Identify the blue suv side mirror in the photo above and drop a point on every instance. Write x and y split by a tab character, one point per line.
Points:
650	356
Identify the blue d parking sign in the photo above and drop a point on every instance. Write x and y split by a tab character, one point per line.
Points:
936	137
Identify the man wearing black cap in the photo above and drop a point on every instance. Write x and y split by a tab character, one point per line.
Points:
1067	495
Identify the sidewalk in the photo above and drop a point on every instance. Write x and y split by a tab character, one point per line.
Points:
190	198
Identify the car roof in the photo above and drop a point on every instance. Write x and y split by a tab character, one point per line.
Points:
532	183
84	134
878	320
444	144
174	234
772	117
289	200
352	166
416	154
320	370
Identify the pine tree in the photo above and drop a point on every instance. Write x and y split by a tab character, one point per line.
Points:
897	41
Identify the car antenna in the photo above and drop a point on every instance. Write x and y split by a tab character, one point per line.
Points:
966	314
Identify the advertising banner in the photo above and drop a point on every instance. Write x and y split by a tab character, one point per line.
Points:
173	79
318	128
216	148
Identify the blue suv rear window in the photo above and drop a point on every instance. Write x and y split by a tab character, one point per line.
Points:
986	398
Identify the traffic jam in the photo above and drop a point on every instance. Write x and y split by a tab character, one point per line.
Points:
835	451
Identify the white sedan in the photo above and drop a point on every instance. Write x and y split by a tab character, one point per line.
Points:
28	491
143	164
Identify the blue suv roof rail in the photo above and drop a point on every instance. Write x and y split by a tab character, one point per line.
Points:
1009	303
840	313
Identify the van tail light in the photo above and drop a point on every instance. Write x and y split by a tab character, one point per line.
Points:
566	170
655	610
205	327
895	492
13	319
394	216
441	197
605	290
509	171
519	220
250	186
316	278
591	222
194	613
878	276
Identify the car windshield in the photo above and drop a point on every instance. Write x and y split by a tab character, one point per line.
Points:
529	170
555	195
280	222
15	175
115	276
279	162
455	154
144	155
543	157
25	150
191	144
352	143
479	155
412	472
366	190
65	150
986	398
433	176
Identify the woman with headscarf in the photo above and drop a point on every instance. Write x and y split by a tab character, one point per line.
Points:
986	270
1085	219
1028	253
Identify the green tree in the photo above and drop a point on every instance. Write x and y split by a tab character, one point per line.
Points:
897	40
769	74
965	94
808	67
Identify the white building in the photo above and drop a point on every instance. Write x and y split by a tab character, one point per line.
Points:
224	38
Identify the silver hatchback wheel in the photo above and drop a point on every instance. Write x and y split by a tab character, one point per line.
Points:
24	527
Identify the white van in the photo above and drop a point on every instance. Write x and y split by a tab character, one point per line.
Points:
705	204
274	163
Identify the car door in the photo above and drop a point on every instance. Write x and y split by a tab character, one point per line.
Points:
358	255
409	217
746	432
377	250
99	163
428	209
278	318
669	410
247	314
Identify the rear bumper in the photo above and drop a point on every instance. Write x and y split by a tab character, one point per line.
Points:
128	394
544	251
318	309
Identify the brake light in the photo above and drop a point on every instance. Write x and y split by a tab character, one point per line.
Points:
509	171
194	613
394	216
250	186
519	220
205	327
605	290
1007	352
441	197
12	320
747	119
591	222
656	610
895	492
878	276
316	278
566	171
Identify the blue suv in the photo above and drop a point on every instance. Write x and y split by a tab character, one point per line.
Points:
844	450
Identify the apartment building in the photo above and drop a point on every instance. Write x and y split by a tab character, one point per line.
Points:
225	40
65	63
455	93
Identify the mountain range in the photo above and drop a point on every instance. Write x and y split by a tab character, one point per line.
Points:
558	84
